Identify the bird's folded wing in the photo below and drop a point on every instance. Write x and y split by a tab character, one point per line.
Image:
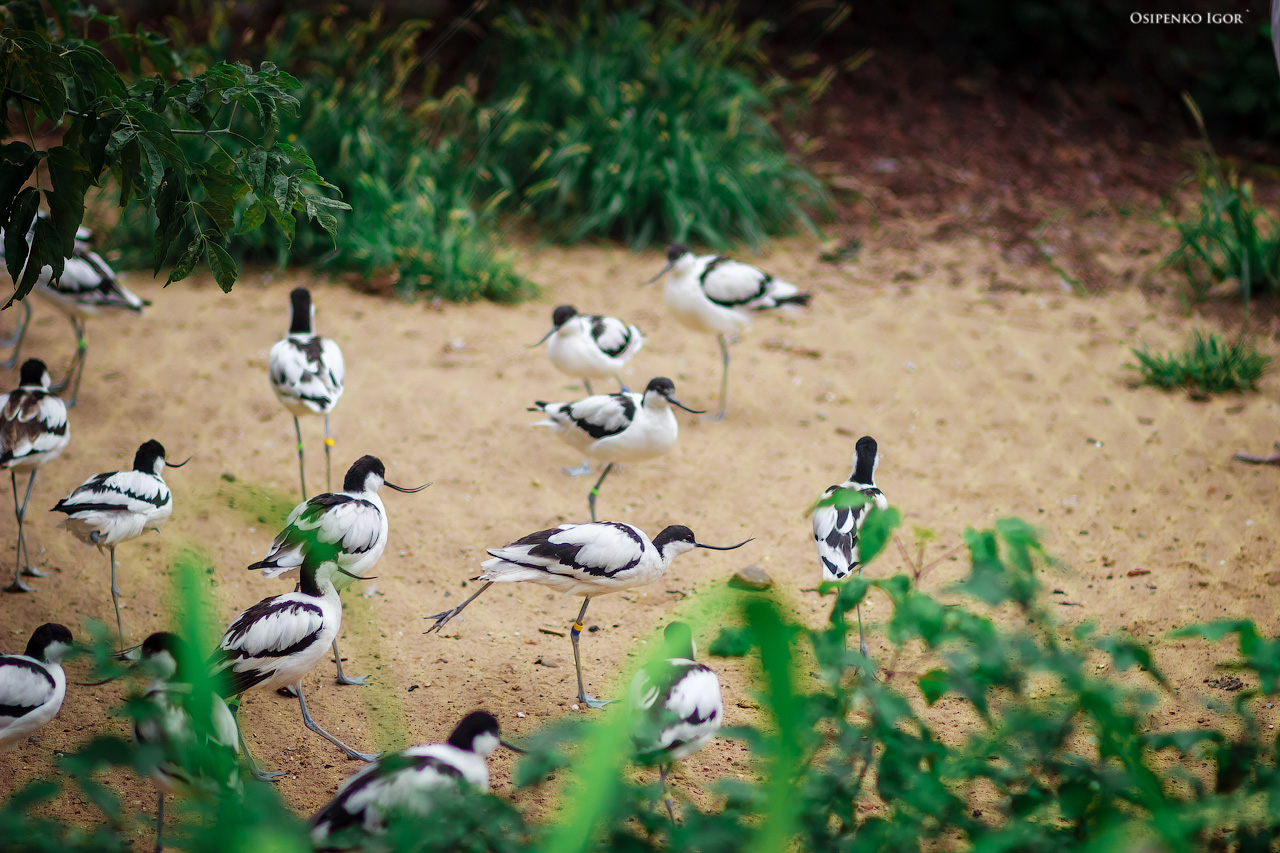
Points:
121	491
24	686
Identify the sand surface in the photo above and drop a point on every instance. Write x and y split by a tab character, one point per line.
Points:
991	390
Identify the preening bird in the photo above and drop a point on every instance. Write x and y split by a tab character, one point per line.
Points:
676	706
280	639
32	684
351	524
307	372
836	525
710	293
88	287
33	431
590	346
193	748
613	428
111	508
410	782
587	560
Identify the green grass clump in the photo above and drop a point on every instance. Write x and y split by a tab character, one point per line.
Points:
1227	236
647	126
1208	366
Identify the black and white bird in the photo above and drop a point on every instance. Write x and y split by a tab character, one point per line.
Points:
193	751
353	523
410	782
307	372
33	431
587	560
711	293
111	508
836	524
676	706
613	428
88	287
32	684
280	639
590	346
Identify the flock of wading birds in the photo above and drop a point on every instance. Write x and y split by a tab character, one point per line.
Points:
333	539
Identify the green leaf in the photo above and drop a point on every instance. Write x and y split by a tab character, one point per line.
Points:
934	684
45	252
169	217
876	532
252	218
731	642
187	262
15	234
222	266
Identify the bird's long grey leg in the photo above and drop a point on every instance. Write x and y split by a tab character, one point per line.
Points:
27	569
258	772
622	386
18	585
311	724
343	678
159	820
444	617
724	380
16	341
78	363
595	492
587	384
667	799
589	701
328	458
115	597
302	471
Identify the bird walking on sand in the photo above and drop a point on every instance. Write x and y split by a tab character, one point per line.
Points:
306	373
33	431
353	523
711	293
411	781
613	428
111	508
32	684
166	722
676	707
280	639
590	346
88	287
587	560
839	515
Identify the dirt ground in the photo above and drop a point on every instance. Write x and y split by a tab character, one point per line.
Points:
991	390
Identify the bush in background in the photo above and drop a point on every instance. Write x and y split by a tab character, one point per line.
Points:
1208	366
648	124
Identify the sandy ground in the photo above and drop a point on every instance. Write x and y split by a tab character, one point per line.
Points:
992	392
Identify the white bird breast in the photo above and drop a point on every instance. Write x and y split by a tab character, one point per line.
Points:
23	687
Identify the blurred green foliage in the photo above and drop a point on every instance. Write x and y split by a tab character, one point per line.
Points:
1053	752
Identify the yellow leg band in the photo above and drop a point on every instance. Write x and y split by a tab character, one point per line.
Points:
328	442
578	626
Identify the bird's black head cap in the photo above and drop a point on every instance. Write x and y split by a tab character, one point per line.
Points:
45	636
360	471
662	385
32	373
145	458
471	727
300	311
676	251
674	533
563	314
864	460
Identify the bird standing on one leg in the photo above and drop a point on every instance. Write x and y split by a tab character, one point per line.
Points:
33	431
280	639
711	293
587	560
590	346
676	707
111	508
836	525
411	781
622	427
166	722
88	287
32	684
307	372
353	523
